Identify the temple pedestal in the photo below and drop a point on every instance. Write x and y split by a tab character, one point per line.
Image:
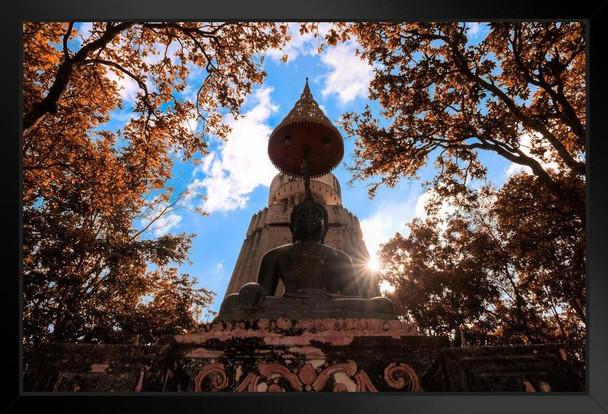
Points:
308	355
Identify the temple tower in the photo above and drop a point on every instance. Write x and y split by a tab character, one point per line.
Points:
269	228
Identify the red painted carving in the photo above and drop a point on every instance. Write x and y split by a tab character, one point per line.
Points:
309	379
275	388
307	374
217	374
330	324
364	383
349	368
283	324
351	324
267	370
250	383
339	388
401	377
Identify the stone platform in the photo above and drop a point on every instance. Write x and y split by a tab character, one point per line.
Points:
307	355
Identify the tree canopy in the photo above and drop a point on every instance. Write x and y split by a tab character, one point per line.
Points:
90	274
448	97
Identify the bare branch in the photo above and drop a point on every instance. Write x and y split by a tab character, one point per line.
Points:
164	211
140	82
567	112
66	36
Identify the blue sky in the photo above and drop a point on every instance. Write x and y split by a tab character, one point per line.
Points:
236	174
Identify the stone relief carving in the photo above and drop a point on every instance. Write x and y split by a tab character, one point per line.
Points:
401	376
215	375
313	376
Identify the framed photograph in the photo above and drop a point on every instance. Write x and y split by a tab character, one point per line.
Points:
160	159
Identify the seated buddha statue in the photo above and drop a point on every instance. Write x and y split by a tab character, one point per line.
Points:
319	280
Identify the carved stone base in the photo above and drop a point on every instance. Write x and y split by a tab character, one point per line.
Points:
307	355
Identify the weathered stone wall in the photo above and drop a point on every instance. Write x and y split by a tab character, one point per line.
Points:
530	368
309	355
92	367
306	356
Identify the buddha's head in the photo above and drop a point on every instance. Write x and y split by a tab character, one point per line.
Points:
309	221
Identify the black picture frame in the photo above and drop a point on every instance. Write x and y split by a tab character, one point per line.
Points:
14	12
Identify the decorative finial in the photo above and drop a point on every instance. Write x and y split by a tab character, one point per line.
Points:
306	94
305	140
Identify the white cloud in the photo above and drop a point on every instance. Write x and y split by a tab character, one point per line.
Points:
194	79
219	270
191	122
517	168
349	76
305	44
391	217
161	225
444	211
128	88
84	29
526	143
158	53
420	202
123	116
477	31
241	164
164	224
388	219
473	28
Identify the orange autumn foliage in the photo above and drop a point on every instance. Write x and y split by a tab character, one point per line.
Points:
86	272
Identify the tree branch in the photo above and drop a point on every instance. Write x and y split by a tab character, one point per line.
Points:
569	116
461	63
159	215
48	105
140	82
66	51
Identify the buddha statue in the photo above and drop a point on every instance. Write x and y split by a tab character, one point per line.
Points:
319	280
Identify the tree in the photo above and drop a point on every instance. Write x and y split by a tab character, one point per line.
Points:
449	97
86	272
506	263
